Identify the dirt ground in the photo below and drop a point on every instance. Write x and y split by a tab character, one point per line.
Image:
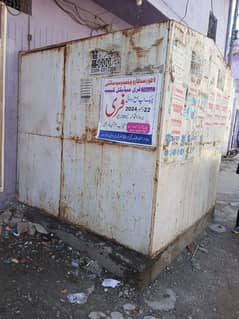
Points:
38	272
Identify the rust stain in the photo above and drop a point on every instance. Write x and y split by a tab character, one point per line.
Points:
89	136
62	174
81	196
140	52
157	42
130	32
64	83
63	210
156	172
171	73
204	220
98	176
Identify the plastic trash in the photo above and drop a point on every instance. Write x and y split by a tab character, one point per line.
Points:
77	298
40	229
110	283
80	297
7	261
217	228
15	234
15	260
75	263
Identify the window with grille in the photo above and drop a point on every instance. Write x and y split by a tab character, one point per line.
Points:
20	5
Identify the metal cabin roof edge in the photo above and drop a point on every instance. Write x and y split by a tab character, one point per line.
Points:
62	44
204	36
169	21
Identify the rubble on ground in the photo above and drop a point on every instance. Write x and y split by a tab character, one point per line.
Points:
47	276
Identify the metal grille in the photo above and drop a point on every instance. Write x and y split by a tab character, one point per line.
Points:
20	5
220	80
196	65
86	88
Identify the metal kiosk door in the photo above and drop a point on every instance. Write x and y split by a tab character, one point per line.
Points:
40	128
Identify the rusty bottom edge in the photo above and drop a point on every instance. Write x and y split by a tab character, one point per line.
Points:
152	265
163	259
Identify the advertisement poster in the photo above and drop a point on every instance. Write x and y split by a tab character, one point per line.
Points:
129	109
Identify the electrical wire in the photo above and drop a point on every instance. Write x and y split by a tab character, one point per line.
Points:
75	12
186	11
77	8
69	13
170	8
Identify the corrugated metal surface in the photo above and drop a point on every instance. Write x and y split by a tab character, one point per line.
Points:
39	163
142	197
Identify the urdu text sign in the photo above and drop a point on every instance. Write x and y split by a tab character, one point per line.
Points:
129	109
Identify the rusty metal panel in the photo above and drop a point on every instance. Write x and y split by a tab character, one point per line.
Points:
103	191
139	196
40	129
195	119
108	187
40	110
39	164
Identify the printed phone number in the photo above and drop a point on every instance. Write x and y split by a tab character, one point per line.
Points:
138	109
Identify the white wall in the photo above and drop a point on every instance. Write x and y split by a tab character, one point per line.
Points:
197	16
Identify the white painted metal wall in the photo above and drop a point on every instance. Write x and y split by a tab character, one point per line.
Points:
40	128
105	186
190	150
47	25
139	196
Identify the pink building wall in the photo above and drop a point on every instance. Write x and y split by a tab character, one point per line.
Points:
197	15
47	25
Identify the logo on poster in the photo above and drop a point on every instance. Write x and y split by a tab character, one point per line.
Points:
116	108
